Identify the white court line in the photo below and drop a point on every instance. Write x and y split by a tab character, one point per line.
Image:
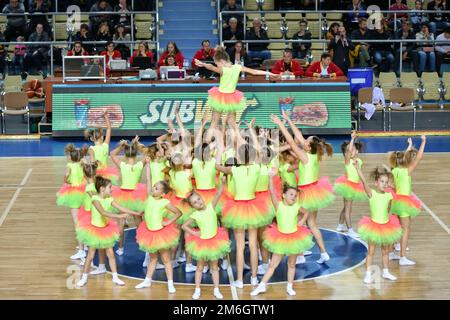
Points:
15	196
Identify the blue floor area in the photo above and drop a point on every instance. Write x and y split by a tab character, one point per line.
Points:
48	146
345	253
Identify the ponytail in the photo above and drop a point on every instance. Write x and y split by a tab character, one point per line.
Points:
76	154
320	146
378	172
221	54
93	134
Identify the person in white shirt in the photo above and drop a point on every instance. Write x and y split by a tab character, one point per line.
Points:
442	49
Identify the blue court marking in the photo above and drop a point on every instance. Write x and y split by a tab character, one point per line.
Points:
345	252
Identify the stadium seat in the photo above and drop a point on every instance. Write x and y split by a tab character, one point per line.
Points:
410	80
273	30
143	17
387	81
446	83
403	96
431	88
331	16
277	46
314	29
60	31
15	104
312	16
277	54
293	28
365	96
293	17
12	83
273	17
143	30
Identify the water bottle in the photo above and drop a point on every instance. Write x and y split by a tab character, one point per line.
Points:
242	72
163	76
185	64
267	74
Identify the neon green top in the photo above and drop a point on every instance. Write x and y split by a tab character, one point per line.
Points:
402	181
308	173
131	174
379	206
97	219
206	221
157	171
204	173
287	217
181	182
155	210
287	177
76	175
101	154
229	78
350	171
263	179
245	179
87	201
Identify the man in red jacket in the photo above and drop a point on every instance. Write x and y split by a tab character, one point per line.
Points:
287	66
205	53
324	67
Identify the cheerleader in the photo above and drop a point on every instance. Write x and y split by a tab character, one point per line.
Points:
131	194
209	242
159	165
100	150
71	194
381	228
405	205
99	232
285	237
315	193
156	235
349	186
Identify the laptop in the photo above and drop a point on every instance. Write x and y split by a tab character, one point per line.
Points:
118	64
176	74
164	69
142	63
90	71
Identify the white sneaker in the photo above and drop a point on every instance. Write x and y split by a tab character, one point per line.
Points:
79	255
341	228
205	269
368	279
119	251
82	282
254	281
307	253
237	284
217	293
353	234
397	247
147	283
404	261
246	266
290	291
182	258
117	281
146	260
196	294
224	265
259	289
190	268
324	257
300	260
388	275
171	287
393	256
262	268
100	270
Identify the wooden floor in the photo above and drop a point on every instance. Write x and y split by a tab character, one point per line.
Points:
37	237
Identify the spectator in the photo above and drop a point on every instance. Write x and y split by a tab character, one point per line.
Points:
232	6
332	31
19	55
36	56
82	36
287	66
442	48
324	67
382	50
232	32
418	16
125	17
77	50
438	20
103	34
301	50
341	46
398	5
3	55
405	33
425	50
258	50
205	53
142	51
98	19
17	23
169	61
122	35
351	19
111	54
238	53
361	48
171	49
38	6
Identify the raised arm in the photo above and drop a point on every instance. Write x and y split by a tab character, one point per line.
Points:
199	135
148	176
363	179
108	128
299	153
273	195
219	166
114	154
254	72
419	155
177	214
350	147
208	66
297	133
410	145
179	122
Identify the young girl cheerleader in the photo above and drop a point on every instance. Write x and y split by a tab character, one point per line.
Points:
381	228
285	237
99	232
100	150
131	194
209	242
157	235
315	193
349	186
405	205
71	194
159	166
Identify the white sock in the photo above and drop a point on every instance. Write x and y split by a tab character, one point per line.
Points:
196	294
324	257
116	280
290	291
217	293
83	280
388	275
171	287
368	277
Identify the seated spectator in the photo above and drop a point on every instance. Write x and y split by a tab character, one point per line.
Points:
341	46
143	51
125	17
382	50
169	61
111	54
425	50
16	23
442	48
351	19
418	17
36	56
232	32
324	67
438	20
19	55
287	66
332	31
171	49
122	35
103	34
205	53
238	54
84	35
77	50
408	52
397	5
301	50
258	50
361	50
98	19
38	6
232	6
